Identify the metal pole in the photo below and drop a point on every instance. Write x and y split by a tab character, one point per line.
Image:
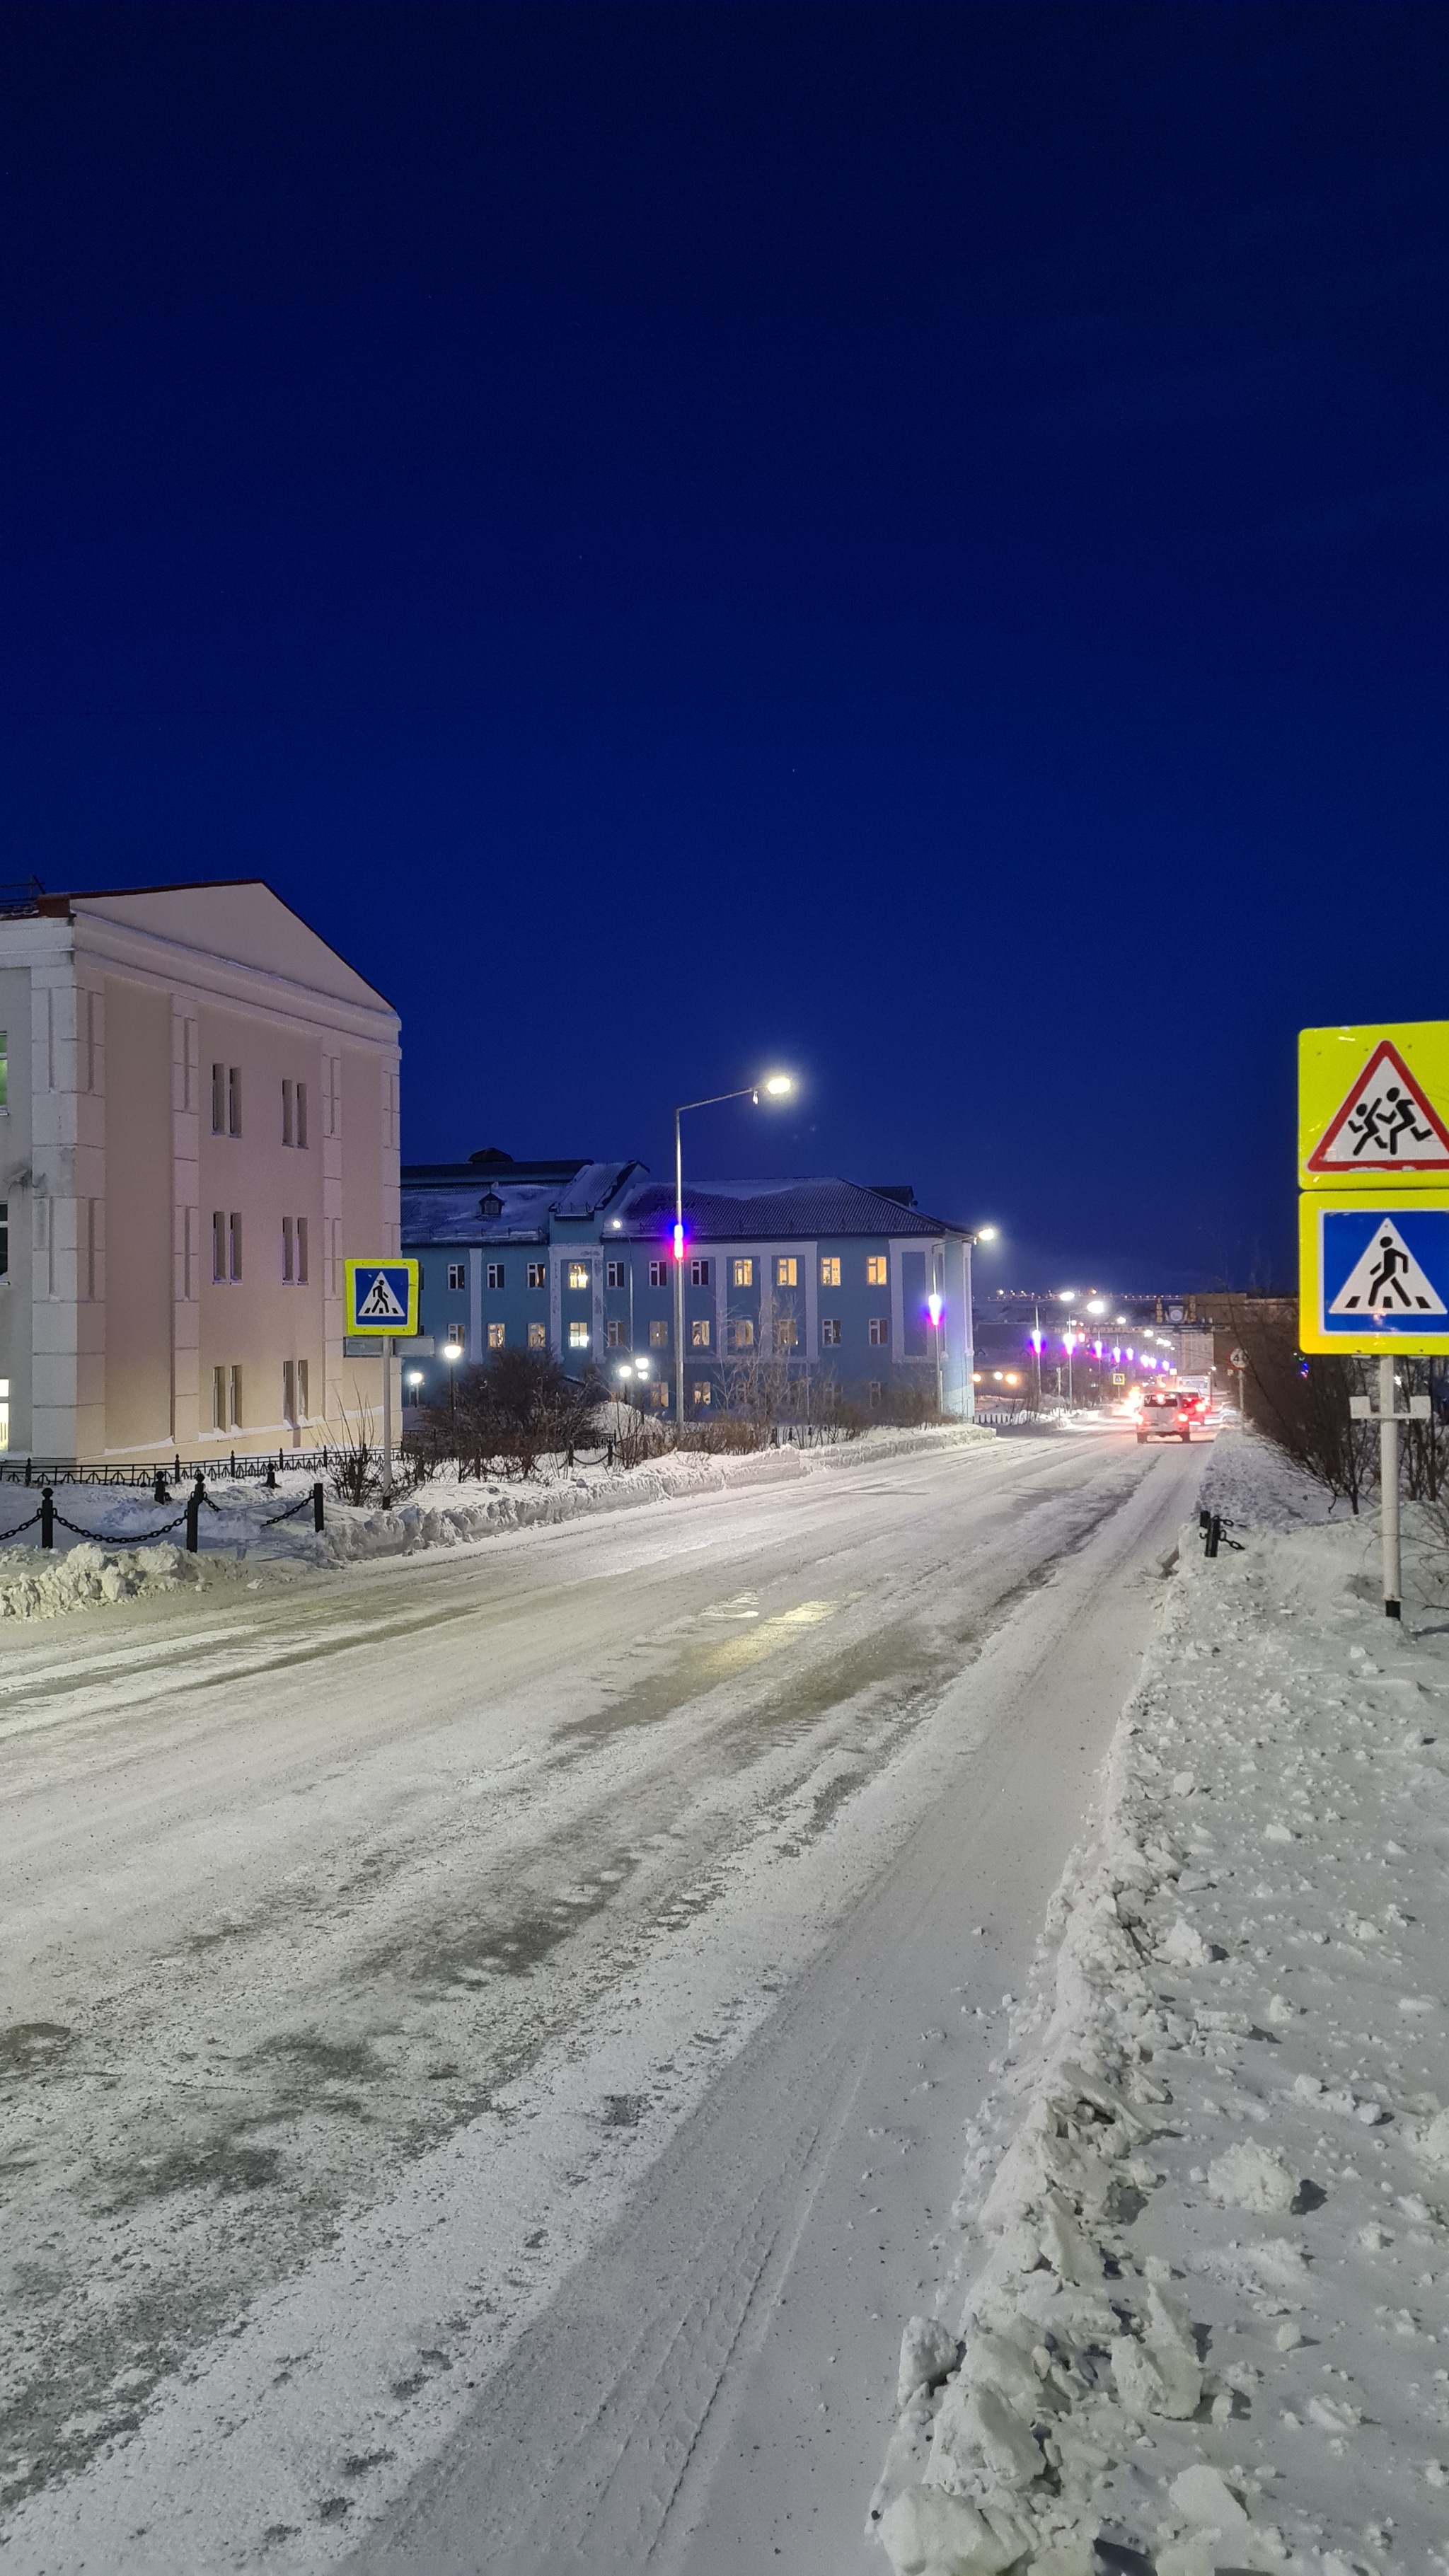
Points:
387	1418
1389	1485
678	1247
1036	1344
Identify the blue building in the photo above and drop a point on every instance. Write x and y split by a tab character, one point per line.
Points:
811	1278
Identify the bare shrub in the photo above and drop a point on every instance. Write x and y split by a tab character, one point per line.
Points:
1302	1404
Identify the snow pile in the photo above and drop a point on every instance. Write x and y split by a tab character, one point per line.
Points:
1201	2283
99	1560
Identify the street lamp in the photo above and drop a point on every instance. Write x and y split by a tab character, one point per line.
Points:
774	1086
452	1353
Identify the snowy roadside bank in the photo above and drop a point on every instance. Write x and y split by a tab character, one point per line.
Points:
106	1558
1198	2316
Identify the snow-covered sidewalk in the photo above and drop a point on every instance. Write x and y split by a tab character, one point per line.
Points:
109	1555
1198	2316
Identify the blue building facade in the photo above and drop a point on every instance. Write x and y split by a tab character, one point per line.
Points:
814	1279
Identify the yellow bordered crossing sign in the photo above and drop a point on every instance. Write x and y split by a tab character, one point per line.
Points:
1373	1106
1373	1269
380	1296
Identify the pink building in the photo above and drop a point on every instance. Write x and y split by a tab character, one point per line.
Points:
200	1122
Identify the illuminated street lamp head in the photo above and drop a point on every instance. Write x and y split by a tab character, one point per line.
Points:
987	1233
452	1351
1066	1296
1096	1305
776	1086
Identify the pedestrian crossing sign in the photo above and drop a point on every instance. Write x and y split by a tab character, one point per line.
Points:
1374	1271
1373	1106
380	1296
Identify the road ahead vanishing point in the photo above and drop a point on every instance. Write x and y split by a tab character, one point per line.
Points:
490	2033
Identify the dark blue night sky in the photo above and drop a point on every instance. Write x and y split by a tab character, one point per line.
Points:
908	541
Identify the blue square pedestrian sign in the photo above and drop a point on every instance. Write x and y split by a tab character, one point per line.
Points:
380	1296
1374	1271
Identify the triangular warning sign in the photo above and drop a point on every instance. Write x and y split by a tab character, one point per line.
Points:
1387	1281
380	1306
1386	1124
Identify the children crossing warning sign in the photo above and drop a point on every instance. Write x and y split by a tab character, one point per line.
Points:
1374	1271
380	1296
1373	1105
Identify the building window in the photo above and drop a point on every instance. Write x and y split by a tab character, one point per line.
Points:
235	1377
234	1242
829	1332
830	1270
699	1392
614	1332
742	1333
218	1399
537	1274
218	1244
659	1334
659	1398
878	1331
579	1275
787	1333
658	1274
289	1384
787	1270
495	1275
613	1274
457	1275
455	1337
4	1238
233	1100
218	1120
287	1255
744	1273
538	1337
578	1337
304	1407
302	1253
699	1274
286	1139
302	1139
495	1337
699	1333
875	1270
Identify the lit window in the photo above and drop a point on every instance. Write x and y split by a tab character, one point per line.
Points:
744	1273
538	1337
578	1337
699	1392
699	1333
613	1274
659	1398
495	1337
878	1330
455	1337
457	1275
829	1331
495	1274
699	1274
659	1334
614	1332
579	1274
537	1275
830	1270
787	1333
786	1270
875	1270
658	1274
742	1333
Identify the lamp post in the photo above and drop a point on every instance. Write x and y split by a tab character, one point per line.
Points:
452	1353
775	1086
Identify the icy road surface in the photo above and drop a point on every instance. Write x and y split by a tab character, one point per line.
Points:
468	2020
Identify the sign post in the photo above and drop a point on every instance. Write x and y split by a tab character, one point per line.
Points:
380	1298
1373	1220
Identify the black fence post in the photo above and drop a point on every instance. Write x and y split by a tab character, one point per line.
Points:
47	1517
27	1471
159	1493
1214	1533
317	1507
271	1478
193	1515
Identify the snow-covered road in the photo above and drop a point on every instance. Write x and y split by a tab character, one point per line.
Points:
457	2010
